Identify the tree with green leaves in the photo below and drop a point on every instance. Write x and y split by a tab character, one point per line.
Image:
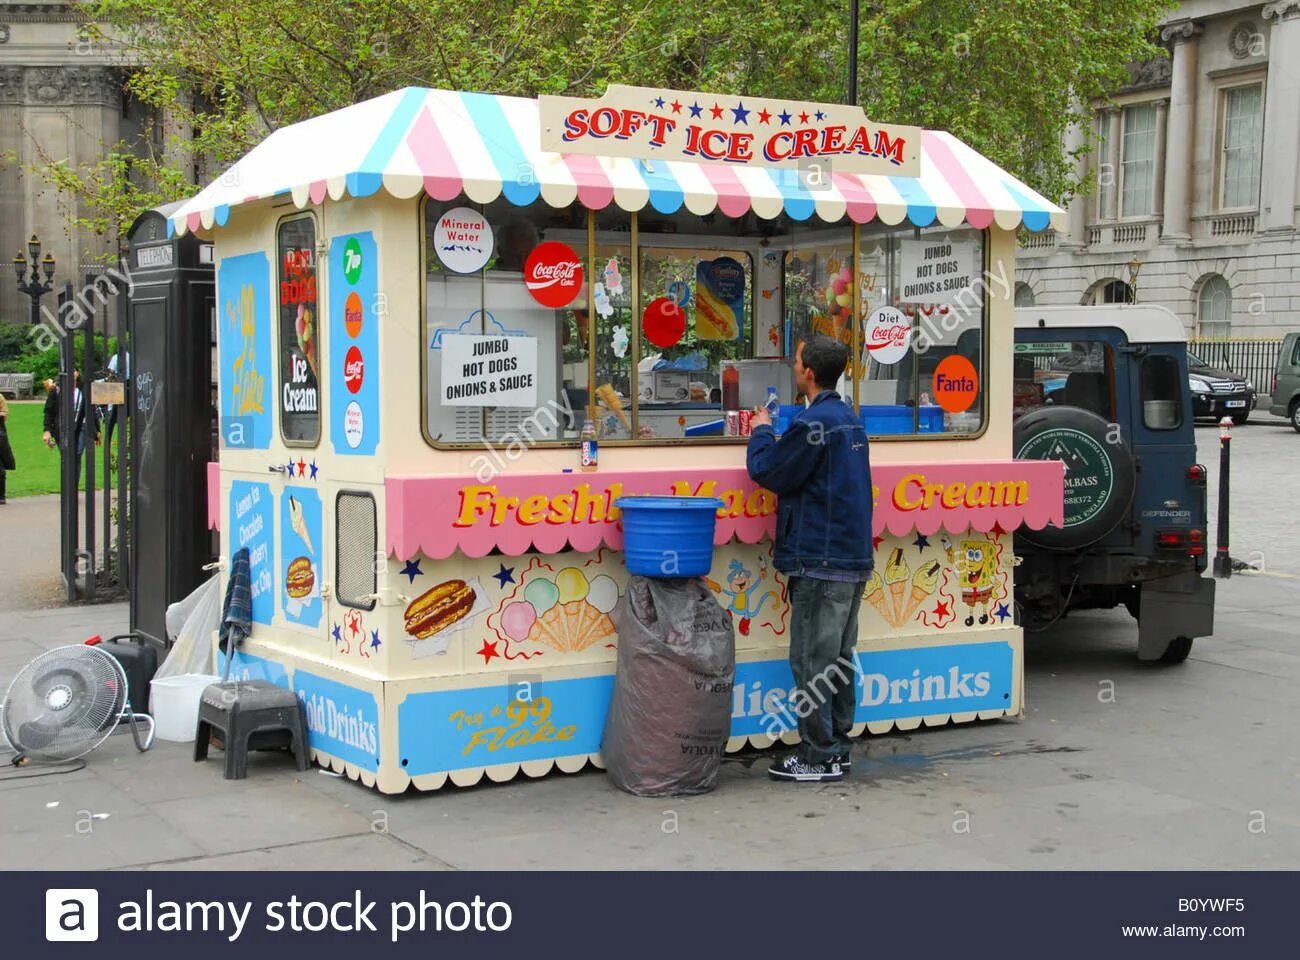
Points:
1007	76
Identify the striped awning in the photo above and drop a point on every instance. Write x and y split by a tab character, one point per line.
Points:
447	143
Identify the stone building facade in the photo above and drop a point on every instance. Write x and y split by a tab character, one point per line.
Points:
61	98
1195	181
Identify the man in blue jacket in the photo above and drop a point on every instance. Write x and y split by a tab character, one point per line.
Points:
820	472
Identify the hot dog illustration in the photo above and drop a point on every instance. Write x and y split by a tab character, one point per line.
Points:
439	608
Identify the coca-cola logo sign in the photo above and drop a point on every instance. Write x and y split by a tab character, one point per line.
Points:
354	370
553	274
887	335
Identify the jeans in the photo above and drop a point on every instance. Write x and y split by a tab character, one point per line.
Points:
823	633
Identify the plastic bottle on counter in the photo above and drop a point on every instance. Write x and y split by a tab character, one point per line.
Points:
773	403
730	388
590	448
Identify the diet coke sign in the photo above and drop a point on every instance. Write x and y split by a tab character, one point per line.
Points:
553	274
354	369
887	335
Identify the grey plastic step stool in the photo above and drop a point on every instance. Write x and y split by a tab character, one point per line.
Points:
251	715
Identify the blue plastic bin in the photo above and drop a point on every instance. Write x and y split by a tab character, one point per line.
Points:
668	537
879	419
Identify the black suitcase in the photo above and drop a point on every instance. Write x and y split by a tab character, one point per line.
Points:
139	660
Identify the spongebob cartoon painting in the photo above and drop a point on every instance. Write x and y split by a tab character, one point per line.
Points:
977	569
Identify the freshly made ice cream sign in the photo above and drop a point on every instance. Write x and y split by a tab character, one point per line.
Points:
647	123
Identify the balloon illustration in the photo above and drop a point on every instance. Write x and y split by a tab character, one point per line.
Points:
663	322
517	619
603	593
541	594
572	584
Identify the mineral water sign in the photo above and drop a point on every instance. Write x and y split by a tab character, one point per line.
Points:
488	371
649	123
940	270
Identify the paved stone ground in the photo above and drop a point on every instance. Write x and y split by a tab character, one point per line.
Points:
1190	766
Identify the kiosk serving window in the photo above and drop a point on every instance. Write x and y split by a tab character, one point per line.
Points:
299	316
663	327
505	355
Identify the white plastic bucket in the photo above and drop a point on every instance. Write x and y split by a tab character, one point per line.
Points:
175	703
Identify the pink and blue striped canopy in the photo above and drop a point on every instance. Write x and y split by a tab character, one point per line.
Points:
449	144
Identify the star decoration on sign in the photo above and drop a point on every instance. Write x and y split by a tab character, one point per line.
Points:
314	469
488	651
921	542
302	467
741	113
290	466
803	117
941	609
659	102
1002	612
337	634
352	621
997	530
876	542
784	118
819	115
695	109
764	117
677	107
374	639
716	111
412	570
505	575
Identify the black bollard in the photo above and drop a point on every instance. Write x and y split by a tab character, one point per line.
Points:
1222	561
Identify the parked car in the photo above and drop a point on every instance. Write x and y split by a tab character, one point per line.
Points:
1106	390
1286	382
1218	392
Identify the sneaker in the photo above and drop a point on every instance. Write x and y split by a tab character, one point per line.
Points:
845	760
795	767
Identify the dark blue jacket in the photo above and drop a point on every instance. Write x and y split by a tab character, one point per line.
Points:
820	472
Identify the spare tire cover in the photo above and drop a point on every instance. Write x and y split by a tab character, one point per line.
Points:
1100	473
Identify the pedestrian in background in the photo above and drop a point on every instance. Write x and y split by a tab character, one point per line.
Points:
6	451
81	410
820	472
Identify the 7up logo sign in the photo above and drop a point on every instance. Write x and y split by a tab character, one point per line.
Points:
352	261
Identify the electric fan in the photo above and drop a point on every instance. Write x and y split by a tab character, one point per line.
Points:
67	702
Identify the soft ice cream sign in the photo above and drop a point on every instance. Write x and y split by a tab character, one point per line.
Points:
647	123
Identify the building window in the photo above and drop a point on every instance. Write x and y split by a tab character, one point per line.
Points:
1242	126
1105	173
1024	295
1110	291
1138	162
1214	308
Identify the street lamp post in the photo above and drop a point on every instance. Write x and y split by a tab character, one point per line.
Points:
32	284
1134	268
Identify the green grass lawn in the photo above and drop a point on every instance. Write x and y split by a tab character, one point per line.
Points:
38	465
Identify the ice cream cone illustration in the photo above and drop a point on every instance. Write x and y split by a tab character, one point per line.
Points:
606	393
924	583
896	574
874	594
299	524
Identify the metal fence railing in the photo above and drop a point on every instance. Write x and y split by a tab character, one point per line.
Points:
1255	359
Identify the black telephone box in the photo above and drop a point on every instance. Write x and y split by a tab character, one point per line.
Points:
170	371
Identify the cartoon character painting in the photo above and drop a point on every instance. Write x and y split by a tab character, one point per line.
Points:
740	588
977	568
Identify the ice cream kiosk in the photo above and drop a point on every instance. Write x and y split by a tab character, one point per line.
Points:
431	303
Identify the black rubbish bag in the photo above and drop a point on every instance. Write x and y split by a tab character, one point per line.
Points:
670	715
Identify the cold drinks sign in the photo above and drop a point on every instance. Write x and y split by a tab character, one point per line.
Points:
651	124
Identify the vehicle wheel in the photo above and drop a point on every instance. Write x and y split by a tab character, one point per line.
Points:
1295	416
1240	418
1177	651
1100	473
